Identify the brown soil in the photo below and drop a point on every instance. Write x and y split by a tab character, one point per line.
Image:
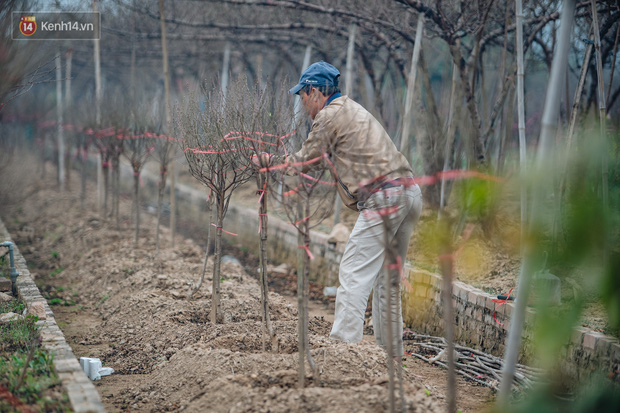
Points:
130	308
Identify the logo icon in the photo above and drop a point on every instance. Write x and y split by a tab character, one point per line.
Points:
27	25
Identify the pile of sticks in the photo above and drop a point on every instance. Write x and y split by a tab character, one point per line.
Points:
474	365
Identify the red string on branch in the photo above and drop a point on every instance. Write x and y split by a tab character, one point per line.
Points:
290	165
305	247
317	180
223	230
197	150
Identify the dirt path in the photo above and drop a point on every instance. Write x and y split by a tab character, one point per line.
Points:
124	305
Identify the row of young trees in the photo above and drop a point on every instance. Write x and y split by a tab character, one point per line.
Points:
468	124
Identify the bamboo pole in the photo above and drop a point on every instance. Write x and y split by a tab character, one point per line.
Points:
297	109
521	115
171	169
348	91
404	138
98	96
547	135
297	115
450	135
67	105
602	118
225	70
60	134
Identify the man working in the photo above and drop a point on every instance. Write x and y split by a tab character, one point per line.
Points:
372	177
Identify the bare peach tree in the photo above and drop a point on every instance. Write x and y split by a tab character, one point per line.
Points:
140	143
307	199
208	126
273	112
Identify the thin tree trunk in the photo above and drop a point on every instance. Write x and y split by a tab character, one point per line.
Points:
301	260
264	287
100	182
204	265
117	190
448	309
215	291
549	125
136	202
389	336
404	138
306	293
84	159
613	67
59	120
173	196
106	184
477	139
160	202
500	86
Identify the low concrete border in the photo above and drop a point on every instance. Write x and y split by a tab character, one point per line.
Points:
83	395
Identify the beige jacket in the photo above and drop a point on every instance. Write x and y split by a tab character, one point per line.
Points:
360	149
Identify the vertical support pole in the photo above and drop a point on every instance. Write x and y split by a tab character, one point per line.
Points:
404	139
547	135
225	70
602	119
171	169
521	115
59	120
348	90
97	60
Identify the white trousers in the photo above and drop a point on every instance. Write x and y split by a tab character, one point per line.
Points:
362	268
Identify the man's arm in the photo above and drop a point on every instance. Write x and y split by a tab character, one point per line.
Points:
317	144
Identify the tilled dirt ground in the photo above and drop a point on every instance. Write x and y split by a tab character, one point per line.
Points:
128	307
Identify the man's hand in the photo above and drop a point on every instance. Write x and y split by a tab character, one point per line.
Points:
262	159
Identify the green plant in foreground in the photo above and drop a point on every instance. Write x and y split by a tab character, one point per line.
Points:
30	378
56	271
18	334
26	369
13	306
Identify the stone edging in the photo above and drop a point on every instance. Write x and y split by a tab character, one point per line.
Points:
83	395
